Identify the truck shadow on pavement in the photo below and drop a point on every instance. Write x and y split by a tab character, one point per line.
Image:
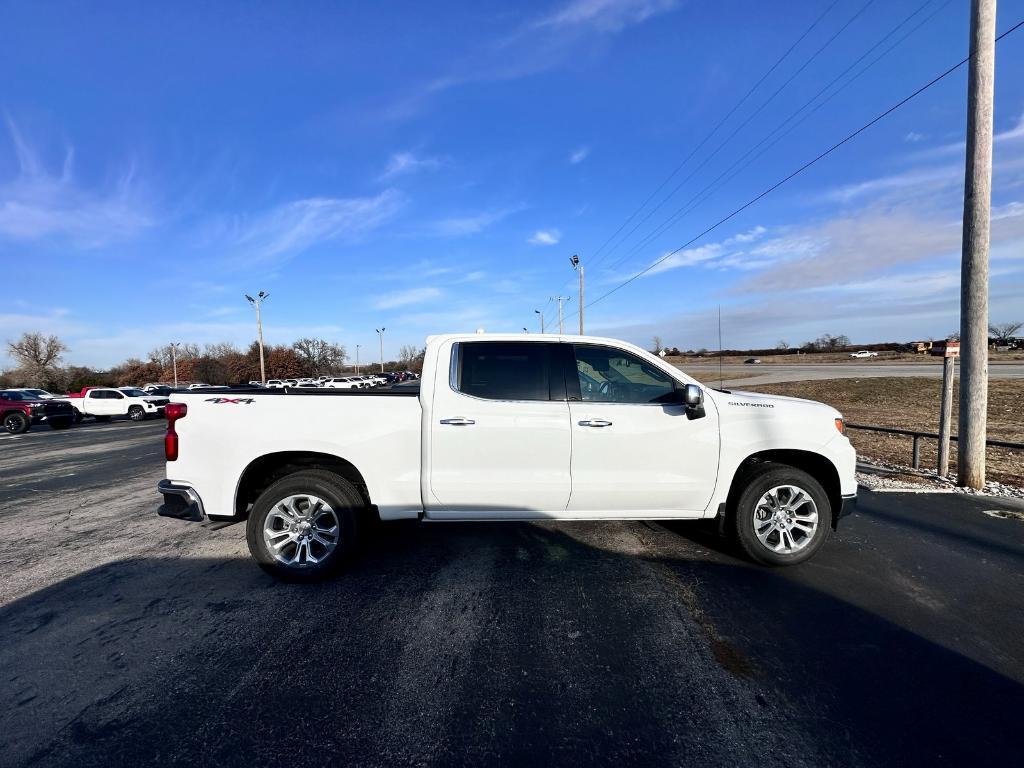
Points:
484	643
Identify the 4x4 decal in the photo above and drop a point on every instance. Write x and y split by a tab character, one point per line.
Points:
231	400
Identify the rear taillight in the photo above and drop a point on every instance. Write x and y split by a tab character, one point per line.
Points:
173	412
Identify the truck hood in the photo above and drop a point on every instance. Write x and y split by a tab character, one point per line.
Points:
774	405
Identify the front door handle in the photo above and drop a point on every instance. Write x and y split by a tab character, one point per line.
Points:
595	423
458	422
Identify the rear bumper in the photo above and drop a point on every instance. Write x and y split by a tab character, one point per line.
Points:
180	502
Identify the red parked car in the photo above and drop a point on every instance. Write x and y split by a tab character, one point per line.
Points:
19	411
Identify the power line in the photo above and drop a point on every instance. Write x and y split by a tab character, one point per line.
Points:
714	130
706	192
802	168
745	123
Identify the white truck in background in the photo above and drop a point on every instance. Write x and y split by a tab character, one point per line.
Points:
508	427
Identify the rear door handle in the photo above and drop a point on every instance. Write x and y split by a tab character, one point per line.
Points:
458	422
595	423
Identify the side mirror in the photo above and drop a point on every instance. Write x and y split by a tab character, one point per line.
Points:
692	396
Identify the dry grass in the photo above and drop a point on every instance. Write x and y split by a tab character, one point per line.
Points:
913	403
838	357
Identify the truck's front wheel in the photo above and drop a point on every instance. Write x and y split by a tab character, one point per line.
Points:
782	515
304	526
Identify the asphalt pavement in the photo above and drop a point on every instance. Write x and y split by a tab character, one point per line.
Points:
129	639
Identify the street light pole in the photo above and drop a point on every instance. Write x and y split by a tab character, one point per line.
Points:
174	361
575	261
357	359
380	337
260	298
541	316
560	299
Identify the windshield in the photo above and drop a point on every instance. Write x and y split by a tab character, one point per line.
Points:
16	395
134	392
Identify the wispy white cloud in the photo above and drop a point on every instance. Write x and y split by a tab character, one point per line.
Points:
913	137
603	15
38	204
578	155
932	178
545	237
407	297
294	227
460	226
406	163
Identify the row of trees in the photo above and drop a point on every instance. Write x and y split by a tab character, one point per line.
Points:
39	363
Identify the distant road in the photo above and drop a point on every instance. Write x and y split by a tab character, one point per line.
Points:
776	373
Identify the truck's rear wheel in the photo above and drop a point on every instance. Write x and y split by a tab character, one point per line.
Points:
304	526
16	422
78	416
782	516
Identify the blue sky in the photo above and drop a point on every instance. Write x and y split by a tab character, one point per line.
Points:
431	167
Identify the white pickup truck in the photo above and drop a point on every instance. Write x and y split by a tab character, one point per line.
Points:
508	427
103	403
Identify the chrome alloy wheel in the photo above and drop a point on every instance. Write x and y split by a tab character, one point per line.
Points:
785	519
301	530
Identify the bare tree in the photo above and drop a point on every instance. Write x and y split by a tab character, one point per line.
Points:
657	344
1004	332
408	354
319	356
37	353
782	345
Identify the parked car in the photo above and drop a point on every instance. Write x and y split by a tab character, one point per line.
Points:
103	403
20	410
161	390
509	427
341	382
752	361
863	353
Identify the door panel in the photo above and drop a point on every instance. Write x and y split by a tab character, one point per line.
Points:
633	448
491	454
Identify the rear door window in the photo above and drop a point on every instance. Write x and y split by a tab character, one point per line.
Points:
507	370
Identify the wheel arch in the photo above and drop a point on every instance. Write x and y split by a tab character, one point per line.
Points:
818	466
267	469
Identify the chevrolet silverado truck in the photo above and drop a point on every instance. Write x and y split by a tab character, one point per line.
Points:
508	427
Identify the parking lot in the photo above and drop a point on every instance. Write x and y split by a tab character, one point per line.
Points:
126	638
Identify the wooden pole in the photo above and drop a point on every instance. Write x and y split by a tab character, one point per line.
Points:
945	413
974	262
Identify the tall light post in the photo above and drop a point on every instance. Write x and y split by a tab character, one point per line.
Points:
357	358
541	316
174	361
575	261
380	337
560	299
260	298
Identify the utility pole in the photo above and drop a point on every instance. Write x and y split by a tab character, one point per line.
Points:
945	411
357	359
380	337
174	361
974	263
575	261
541	316
560	299
260	298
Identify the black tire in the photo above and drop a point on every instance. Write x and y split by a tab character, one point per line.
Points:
756	482
137	413
61	423
16	422
348	507
102	418
78	416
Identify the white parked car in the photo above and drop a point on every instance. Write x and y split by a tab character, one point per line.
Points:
863	353
510	427
105	402
342	382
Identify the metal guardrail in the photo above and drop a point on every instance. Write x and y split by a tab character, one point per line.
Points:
916	461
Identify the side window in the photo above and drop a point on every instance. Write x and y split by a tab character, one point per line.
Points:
504	370
95	394
612	376
115	395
